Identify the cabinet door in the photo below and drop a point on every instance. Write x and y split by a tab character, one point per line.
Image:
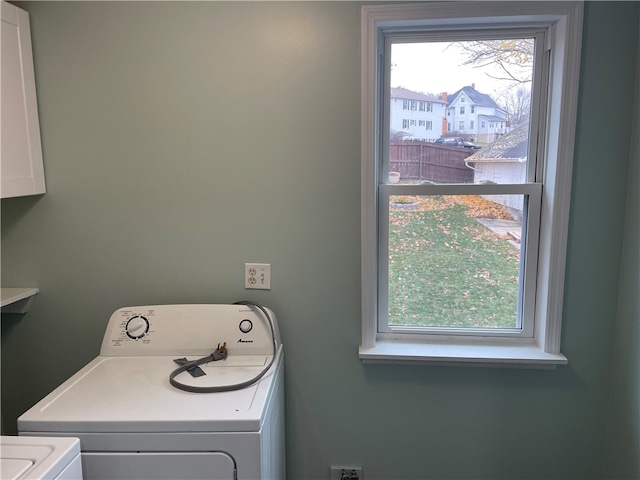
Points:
21	167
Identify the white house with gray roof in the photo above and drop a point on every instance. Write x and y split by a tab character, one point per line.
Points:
504	161
475	115
416	115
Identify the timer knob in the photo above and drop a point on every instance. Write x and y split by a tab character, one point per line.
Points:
137	327
246	326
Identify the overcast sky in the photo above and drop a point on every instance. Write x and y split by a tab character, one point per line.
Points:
434	68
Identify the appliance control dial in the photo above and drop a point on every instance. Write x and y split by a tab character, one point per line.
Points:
246	326
137	327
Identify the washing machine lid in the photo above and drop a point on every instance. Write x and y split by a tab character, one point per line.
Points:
23	458
13	469
133	394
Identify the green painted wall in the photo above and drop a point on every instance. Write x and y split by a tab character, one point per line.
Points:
622	447
184	139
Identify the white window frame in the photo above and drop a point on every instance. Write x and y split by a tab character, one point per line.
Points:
542	349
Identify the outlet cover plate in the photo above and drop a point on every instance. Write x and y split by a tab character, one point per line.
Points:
257	276
336	471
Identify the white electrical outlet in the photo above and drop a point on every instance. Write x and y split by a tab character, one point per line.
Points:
257	275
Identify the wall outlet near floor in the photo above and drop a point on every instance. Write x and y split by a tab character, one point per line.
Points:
346	473
257	275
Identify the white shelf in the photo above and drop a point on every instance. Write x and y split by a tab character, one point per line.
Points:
17	300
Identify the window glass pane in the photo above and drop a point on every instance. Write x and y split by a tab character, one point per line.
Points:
487	142
454	261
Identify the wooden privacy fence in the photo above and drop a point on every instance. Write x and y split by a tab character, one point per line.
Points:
418	160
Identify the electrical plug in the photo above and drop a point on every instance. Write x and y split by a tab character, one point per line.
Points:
221	352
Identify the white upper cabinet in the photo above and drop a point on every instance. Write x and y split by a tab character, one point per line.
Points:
21	167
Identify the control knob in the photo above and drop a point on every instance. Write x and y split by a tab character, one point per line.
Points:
246	325
137	327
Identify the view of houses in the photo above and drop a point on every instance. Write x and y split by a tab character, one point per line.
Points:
469	113
417	115
417	120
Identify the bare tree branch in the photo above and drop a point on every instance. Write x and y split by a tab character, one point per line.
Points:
513	56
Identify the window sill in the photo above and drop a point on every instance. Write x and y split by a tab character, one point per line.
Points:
461	354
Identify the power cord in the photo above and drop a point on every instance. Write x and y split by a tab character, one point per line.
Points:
221	353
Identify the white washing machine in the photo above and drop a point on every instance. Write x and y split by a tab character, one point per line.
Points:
24	458
133	423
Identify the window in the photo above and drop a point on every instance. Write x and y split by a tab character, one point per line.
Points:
416	292
461	126
429	107
462	100
473	109
483	124
462	110
421	106
429	125
405	104
448	127
471	125
413	104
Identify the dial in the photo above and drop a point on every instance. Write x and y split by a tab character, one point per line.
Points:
246	326
137	327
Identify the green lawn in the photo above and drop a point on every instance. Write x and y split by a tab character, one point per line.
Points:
446	269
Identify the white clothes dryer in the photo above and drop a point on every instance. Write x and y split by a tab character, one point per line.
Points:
133	422
31	458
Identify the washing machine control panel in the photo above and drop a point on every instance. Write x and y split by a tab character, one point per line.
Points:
189	329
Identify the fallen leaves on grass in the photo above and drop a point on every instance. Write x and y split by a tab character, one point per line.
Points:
479	207
476	206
